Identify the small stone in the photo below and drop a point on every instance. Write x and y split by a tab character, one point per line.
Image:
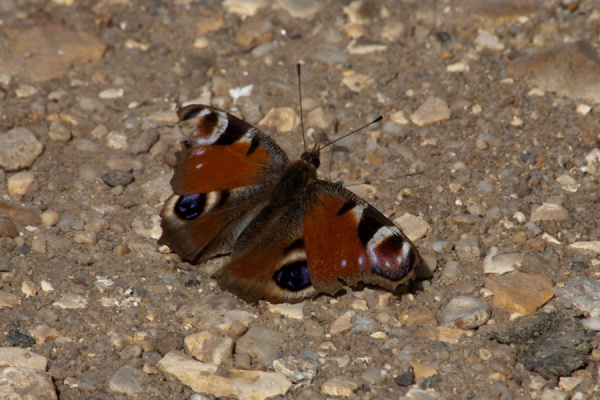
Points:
237	329
43	333
292	311
25	91
432	110
71	301
554	394
130	352
21	183
420	394
283	119
343	386
206	347
7	228
254	31
226	382
29	288
244	8
297	369
583	293
18	357
26	383
567	182
59	132
169	342
519	292
468	249
8	300
465	312
342	324
261	343
18	149
497	262
144	142
450	335
413	227
441	246
399	118
592	245
50	218
116	140
38	245
488	40
86	237
549	212
358	82
569	382
318	118
460	66
111	93
422	370
362	46
115	178
375	376
92	105
305	9
592	323
46	286
128	380
406	378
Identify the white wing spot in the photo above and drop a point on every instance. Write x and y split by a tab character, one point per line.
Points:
199	166
344	263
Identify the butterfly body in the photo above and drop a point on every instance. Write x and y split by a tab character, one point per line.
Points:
291	235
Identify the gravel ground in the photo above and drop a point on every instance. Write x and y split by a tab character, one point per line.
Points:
487	157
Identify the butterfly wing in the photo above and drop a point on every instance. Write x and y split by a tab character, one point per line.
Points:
327	238
222	174
349	242
271	261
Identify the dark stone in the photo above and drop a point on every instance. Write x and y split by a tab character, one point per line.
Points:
551	344
170	341
406	378
115	178
18	338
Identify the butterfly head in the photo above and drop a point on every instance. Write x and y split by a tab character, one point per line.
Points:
312	157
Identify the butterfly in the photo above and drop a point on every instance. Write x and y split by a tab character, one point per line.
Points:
291	235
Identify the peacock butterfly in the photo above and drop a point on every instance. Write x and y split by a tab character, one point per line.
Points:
291	236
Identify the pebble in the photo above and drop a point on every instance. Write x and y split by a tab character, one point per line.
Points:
115	178
18	149
583	293
244	8
206	347
497	262
399	118
318	118
116	140
71	301
226	382
128	380
25	91
7	228
43	333
261	343
405	378
487	40
342	324
520	293
343	386
92	105
554	394
360	46
465	312
375	376
283	119
413	227
358	82
569	383
111	93
18	357
292	311
420	394
305	9
570	70
21	183
26	383
592	245
297	369
422	370
254	31
432	110
549	212
130	352
144	142
441	246
59	133
468	249
8	300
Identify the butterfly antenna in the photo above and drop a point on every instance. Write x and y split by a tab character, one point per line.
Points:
353	132
300	97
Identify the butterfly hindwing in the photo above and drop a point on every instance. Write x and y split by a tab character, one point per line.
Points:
222	174
349	242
